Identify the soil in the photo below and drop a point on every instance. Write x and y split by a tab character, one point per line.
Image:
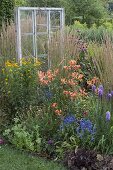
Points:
83	159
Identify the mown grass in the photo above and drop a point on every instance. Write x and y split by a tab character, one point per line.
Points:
12	159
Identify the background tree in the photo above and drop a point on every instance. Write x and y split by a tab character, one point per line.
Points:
20	2
6	10
44	3
90	10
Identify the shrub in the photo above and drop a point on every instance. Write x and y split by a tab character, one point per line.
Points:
19	87
6	11
94	33
24	136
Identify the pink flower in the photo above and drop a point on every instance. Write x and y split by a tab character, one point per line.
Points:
58	112
54	105
65	92
71	82
72	62
67	67
73	94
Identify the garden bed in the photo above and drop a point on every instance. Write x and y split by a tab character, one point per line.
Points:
55	111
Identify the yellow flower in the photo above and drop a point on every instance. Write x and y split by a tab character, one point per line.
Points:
37	63
11	64
24	63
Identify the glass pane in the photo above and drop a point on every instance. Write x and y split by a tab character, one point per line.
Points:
55	29
41	28
26	21
42	50
41	20
55	18
42	45
41	17
27	45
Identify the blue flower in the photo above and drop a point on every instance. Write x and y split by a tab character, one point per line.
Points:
108	116
48	94
69	119
85	125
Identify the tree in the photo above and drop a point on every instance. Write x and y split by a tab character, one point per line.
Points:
6	10
20	2
44	3
90	10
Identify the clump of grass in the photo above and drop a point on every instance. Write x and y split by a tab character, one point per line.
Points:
103	59
8	41
61	47
66	47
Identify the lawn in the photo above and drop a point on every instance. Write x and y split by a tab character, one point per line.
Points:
11	159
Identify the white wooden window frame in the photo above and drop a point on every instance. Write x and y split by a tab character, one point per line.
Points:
34	28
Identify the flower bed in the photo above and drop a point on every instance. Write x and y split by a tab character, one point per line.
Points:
57	111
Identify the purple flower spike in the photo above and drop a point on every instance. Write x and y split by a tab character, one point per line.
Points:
112	93
108	116
109	95
101	87
100	91
93	88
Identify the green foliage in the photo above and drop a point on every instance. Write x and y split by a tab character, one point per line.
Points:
63	146
90	11
44	3
23	137
95	32
18	86
6	11
20	3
